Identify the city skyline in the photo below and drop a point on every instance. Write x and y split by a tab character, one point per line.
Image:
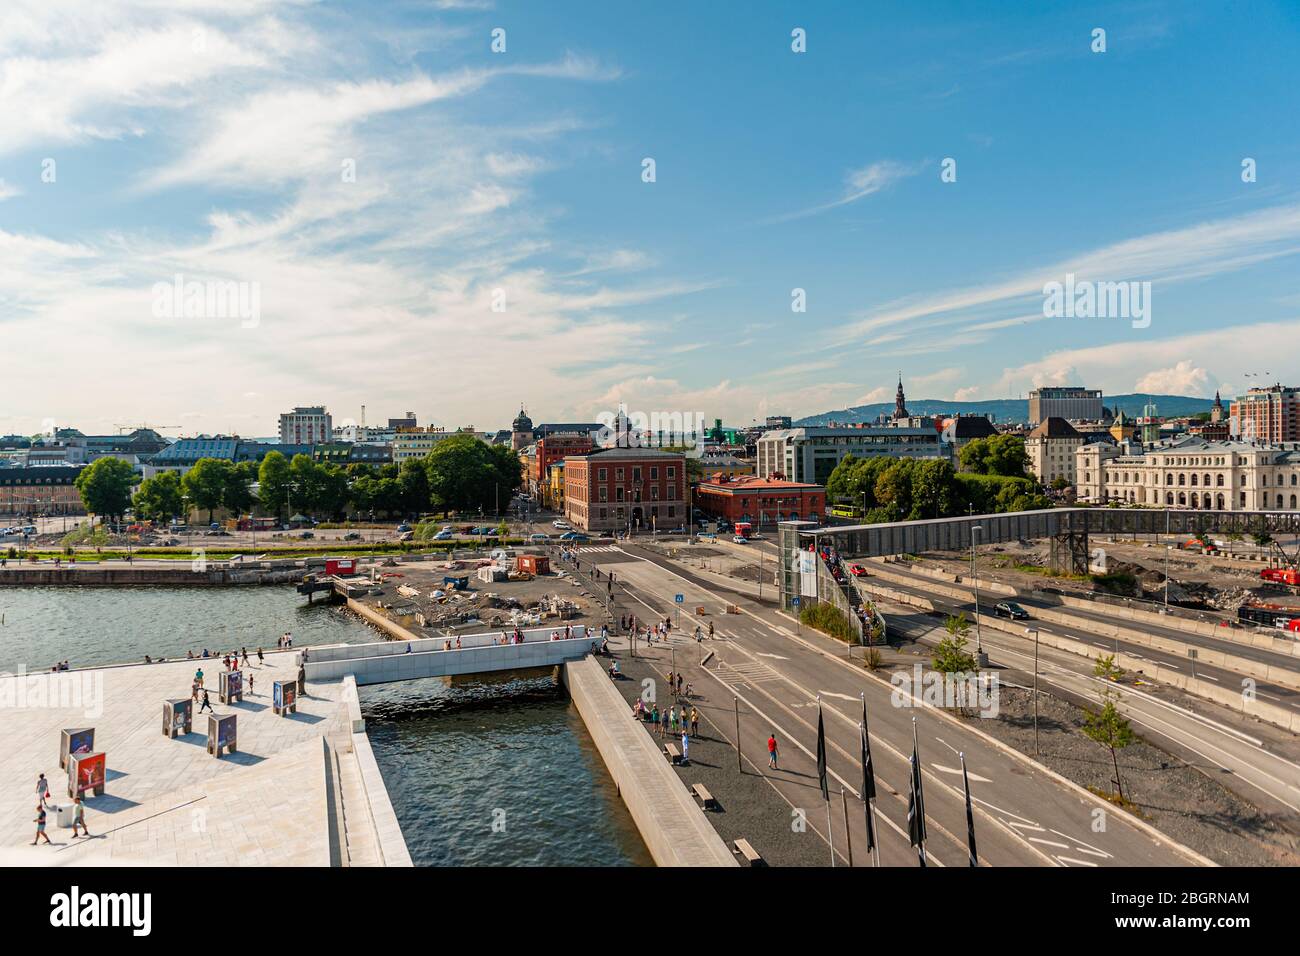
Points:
375	203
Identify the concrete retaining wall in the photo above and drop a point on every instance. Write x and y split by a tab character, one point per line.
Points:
392	845
1234	699
673	826
1275	673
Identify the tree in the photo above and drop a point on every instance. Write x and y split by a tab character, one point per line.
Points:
465	474
159	497
237	497
950	656
934	490
1107	669
105	487
996	455
275	483
413	486
205	484
1109	728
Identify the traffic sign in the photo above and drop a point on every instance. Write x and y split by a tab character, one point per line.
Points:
679	598
794	601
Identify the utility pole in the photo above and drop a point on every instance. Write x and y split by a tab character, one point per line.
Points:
980	658
1034	631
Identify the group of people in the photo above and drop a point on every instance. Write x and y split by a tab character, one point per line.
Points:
60	666
668	719
42	801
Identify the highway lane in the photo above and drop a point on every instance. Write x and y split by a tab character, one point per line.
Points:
1025	815
1272	779
921	586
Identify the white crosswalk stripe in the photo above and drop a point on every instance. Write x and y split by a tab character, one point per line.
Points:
604	548
752	672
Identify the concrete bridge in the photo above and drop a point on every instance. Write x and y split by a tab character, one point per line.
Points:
386	661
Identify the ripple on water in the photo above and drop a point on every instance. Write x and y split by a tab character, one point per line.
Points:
455	757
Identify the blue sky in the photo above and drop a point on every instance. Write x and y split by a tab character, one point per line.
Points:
209	140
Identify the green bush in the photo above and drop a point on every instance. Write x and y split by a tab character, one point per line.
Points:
829	619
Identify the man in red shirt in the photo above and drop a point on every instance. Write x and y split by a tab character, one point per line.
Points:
771	751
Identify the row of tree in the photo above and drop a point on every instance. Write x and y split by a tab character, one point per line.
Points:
461	473
910	489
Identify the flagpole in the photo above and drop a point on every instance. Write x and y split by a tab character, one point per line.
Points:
919	799
970	814
821	778
869	786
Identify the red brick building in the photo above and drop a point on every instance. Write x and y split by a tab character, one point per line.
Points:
548	451
761	501
621	489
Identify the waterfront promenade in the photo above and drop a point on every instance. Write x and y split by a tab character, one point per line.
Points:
298	791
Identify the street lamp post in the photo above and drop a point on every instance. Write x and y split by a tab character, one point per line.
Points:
1034	631
980	657
1167	550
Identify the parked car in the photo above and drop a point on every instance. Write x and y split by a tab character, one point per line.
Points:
740	539
352	536
403	527
443	535
306	534
1012	610
540	537
562	525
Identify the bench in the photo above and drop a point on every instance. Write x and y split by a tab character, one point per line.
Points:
706	798
672	753
749	853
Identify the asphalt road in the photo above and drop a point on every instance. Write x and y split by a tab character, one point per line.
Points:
1208	736
1025	816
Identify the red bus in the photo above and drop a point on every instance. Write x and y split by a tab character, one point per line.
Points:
744	529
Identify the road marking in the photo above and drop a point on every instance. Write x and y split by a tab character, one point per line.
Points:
828	693
774	656
957	771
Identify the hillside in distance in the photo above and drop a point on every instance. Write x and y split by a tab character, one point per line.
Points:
1013	409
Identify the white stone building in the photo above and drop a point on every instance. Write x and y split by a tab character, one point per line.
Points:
1193	473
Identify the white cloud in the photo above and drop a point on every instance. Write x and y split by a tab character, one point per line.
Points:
859	184
1181	379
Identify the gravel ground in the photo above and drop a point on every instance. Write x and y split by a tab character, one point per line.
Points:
750	808
1174	796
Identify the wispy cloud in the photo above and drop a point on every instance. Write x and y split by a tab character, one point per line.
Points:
859	184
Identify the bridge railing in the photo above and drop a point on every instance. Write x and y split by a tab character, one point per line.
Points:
352	652
438	661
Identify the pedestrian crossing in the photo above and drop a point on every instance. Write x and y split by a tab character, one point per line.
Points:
600	549
751	672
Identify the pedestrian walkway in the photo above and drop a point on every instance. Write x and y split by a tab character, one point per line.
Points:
600	548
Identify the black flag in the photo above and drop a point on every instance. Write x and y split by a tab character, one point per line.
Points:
821	756
868	778
916	806
970	816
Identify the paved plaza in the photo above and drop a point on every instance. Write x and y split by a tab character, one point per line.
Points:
168	801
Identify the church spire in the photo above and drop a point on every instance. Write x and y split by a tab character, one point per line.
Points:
900	402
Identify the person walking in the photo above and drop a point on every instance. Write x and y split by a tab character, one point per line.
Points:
250	685
79	817
40	825
771	751
679	683
710	630
194	691
42	789
207	704
261	659
198	677
686	747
